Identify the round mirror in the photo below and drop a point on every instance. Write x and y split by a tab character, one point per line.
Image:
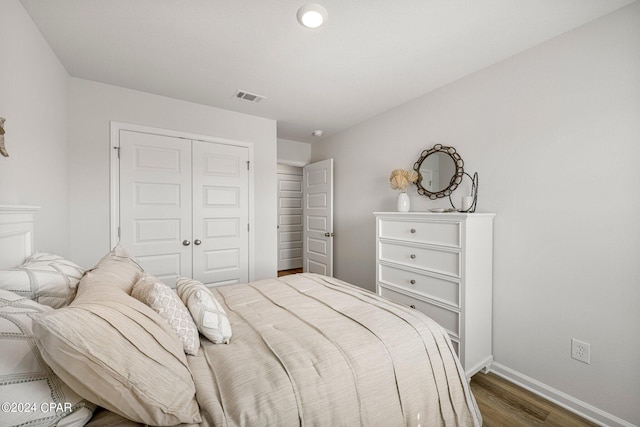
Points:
440	171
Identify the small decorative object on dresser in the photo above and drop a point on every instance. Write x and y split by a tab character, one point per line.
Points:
442	266
3	150
400	180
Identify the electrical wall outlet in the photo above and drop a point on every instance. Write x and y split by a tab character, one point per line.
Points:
581	351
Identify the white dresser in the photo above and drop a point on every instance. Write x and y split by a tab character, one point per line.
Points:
441	264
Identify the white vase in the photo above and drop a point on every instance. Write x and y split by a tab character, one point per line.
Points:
403	202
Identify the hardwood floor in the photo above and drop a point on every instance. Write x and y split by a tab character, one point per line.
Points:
504	404
287	272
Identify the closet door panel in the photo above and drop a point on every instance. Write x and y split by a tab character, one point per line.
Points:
155	202
220	213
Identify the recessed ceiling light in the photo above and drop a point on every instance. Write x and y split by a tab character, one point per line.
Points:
317	132
312	15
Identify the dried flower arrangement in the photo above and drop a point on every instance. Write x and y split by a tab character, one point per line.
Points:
3	150
400	179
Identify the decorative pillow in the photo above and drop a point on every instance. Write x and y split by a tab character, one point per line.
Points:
117	352
46	278
207	312
164	301
30	393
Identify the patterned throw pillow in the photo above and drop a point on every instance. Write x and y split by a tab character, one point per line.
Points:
207	312
164	301
30	392
46	278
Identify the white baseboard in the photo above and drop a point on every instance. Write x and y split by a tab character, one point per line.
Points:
484	366
570	403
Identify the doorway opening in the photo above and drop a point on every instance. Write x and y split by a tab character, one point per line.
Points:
305	218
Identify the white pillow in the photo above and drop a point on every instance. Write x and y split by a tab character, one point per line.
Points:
164	301
31	394
207	312
46	278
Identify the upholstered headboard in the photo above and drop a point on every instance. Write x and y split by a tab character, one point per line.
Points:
16	234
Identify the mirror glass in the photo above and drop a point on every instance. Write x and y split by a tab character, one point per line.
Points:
436	171
440	170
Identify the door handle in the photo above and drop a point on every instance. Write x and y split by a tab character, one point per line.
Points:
327	234
186	242
197	242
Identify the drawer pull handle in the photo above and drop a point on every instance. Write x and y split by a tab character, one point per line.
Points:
412	281
413	230
412	306
413	256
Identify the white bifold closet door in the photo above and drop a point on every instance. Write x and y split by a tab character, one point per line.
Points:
184	207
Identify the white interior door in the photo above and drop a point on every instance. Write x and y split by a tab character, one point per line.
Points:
318	217
289	218
155	202
220	213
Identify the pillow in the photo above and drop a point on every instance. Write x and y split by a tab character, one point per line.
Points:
46	278
164	301
207	313
116	269
31	394
117	352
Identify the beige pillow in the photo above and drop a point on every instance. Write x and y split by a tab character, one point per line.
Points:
117	352
46	278
35	395
116	269
207	312
164	301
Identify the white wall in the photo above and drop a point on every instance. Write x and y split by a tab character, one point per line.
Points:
554	134
94	105
34	99
293	153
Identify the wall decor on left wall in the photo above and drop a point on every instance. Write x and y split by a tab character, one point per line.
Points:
3	150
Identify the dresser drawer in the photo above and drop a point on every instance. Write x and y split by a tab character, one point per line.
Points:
447	291
440	261
448	319
435	233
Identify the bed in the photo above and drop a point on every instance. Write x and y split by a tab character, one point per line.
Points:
300	350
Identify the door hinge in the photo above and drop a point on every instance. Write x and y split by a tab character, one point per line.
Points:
117	148
248	167
118	232
248	227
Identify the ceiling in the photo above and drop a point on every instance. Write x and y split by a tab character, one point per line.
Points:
370	56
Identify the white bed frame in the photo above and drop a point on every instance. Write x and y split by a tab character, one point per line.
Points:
16	234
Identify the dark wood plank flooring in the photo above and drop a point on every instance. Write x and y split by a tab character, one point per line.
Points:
287	272
504	404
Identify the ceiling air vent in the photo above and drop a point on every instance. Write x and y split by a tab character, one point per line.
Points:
247	96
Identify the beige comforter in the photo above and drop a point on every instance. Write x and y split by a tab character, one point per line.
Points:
310	350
